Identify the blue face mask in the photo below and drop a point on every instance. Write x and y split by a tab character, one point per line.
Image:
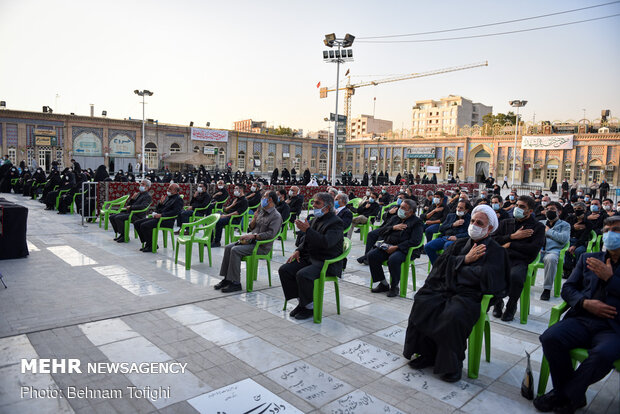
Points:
611	240
399	201
264	203
336	204
401	213
318	212
512	198
371	200
495	206
518	213
594	208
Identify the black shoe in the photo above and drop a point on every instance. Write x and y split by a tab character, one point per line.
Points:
120	240
357	231
304	314
569	407
422	362
393	292
223	283
498	309
216	244
509	313
380	288
232	287
295	311
545	295
361	259
548	402
454	377
147	249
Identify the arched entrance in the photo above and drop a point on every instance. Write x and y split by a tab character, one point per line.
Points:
482	171
595	171
480	158
551	172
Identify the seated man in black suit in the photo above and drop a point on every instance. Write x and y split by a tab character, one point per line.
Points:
365	210
323	240
592	322
399	234
220	195
200	199
238	206
169	206
342	211
138	201
295	202
283	208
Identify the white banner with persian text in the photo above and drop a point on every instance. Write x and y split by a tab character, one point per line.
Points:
547	142
201	134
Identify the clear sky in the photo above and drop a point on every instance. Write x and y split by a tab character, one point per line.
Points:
222	61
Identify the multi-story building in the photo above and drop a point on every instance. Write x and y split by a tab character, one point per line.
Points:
590	150
321	134
367	126
247	125
444	117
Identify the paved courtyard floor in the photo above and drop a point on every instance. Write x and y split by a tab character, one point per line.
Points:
80	295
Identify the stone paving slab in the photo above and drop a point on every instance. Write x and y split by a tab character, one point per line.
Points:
80	295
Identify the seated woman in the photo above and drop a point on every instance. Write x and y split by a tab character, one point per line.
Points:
447	307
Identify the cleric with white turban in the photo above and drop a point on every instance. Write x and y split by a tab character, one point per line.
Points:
480	233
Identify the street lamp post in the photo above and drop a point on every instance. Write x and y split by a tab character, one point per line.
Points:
328	152
339	56
143	93
516	104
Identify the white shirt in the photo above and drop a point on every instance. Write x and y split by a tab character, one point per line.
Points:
338	209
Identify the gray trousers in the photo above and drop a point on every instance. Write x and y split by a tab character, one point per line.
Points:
550	259
231	263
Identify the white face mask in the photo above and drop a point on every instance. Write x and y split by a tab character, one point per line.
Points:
367	193
142	188
460	213
200	190
290	193
475	232
236	193
544	203
220	187
169	193
253	188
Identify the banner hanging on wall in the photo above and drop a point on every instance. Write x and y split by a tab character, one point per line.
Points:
214	135
547	142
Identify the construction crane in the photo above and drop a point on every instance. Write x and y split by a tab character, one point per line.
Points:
349	89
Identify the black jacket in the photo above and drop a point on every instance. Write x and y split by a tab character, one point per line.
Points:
371	210
346	216
323	240
220	197
201	200
296	204
404	239
284	210
523	250
172	206
141	202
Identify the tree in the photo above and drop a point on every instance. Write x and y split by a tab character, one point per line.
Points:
280	130
500	118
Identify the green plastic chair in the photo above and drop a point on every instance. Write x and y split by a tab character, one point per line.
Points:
284	233
205	239
592	243
365	228
205	224
355	203
380	221
319	284
128	221
474	348
219	205
164	230
404	270
254	209
346	231
530	279
251	271
439	252
577	354
111	207
59	196
35	189
194	217
71	209
229	229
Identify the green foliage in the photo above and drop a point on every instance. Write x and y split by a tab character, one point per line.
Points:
499	118
281	130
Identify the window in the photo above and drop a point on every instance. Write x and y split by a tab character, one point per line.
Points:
297	163
150	156
257	161
241	160
175	148
567	168
270	161
537	174
221	158
13	155
196	149
578	173
323	163
500	167
210	154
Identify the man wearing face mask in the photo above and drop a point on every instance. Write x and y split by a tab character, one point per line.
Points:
282	207
597	216
264	226
567	208
254	196
523	237
385	198
398	234
604	189
342	210
510	203
593	293
366	210
200	199
221	194
323	240
237	207
496	205
453	228
447	307
138	201
295	202
579	237
557	234
435	216
541	208
169	205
